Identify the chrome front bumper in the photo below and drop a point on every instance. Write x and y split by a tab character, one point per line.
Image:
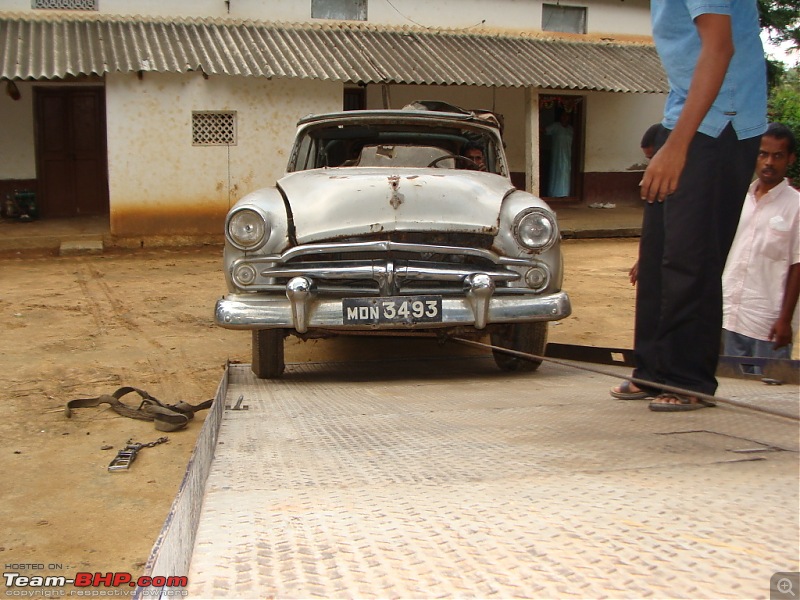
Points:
302	310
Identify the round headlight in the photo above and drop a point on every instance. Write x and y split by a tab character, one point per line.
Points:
535	229
247	229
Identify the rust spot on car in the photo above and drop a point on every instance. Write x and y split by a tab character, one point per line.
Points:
396	197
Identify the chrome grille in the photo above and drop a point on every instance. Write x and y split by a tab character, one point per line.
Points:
385	267
428	238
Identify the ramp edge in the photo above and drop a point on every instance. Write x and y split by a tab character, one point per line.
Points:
172	550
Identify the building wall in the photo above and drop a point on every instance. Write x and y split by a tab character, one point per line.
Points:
160	184
603	16
614	161
17	158
615	124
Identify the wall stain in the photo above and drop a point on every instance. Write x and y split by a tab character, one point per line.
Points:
175	220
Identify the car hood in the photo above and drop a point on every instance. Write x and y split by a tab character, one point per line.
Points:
329	204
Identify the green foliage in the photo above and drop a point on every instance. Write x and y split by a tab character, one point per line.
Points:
780	19
784	107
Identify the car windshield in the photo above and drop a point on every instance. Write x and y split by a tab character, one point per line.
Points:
405	145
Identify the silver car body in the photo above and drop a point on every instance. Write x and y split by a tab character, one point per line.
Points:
376	214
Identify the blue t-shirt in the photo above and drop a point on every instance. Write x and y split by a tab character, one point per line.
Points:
742	100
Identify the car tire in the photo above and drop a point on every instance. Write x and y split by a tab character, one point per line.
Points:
268	353
530	338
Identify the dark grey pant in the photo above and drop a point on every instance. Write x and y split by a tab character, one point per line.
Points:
682	252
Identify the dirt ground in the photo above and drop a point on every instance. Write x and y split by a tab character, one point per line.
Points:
73	327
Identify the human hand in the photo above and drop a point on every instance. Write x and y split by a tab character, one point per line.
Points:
662	174
781	333
633	274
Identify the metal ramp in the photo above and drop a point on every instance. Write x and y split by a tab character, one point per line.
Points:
450	478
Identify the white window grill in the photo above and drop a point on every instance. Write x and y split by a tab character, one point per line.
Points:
65	4
214	128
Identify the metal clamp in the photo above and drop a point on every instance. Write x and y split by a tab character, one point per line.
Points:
122	461
125	457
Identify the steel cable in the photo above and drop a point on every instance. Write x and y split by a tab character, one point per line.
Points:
636	380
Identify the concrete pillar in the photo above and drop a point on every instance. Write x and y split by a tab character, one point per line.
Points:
532	140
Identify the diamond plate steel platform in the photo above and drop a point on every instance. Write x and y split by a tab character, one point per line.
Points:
449	478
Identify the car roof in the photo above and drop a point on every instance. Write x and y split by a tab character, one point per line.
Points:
417	110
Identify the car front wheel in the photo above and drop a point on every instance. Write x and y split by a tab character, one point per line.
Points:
530	338
268	353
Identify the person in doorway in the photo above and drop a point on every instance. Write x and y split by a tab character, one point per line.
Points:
561	134
694	187
761	281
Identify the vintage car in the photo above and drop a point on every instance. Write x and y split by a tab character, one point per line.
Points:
382	224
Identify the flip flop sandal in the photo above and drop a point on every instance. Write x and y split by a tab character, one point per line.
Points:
686	403
626	393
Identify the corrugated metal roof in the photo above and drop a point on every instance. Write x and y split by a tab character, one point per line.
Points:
59	45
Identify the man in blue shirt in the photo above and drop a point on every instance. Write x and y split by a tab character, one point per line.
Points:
694	187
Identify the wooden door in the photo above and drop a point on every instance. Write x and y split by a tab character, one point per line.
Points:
71	151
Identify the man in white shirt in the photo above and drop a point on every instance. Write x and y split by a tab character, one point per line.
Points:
761	281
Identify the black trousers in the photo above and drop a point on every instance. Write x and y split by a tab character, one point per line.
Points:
682	252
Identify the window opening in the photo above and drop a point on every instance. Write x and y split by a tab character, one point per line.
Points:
346	10
565	19
214	128
354	99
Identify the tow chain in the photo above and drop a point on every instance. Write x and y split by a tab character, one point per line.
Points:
636	380
125	457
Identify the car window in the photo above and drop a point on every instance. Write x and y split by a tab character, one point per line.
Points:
393	145
398	156
304	154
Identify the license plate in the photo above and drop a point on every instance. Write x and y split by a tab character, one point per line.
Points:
392	309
